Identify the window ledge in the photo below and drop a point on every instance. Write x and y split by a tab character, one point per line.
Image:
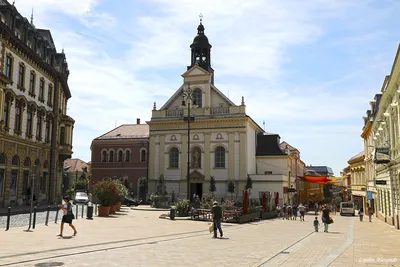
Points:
219	168
172	168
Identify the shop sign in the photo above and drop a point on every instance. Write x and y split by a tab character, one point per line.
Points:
380	182
382	155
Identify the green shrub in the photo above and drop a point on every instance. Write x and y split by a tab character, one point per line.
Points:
182	207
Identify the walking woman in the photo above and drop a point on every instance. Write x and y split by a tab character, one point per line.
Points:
68	215
370	213
361	213
326	219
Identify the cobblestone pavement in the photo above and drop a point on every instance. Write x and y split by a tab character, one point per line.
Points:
21	220
140	238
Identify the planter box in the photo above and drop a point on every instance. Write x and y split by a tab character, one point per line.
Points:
249	217
269	215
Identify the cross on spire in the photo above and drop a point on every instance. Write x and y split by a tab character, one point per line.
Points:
201	17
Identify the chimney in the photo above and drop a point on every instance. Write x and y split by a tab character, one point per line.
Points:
138	121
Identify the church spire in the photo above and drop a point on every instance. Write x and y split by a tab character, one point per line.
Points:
32	17
201	50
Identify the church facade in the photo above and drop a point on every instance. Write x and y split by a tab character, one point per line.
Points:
222	136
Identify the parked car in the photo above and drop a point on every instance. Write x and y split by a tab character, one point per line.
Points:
81	198
129	201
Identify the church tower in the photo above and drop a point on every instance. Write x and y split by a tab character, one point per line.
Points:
201	50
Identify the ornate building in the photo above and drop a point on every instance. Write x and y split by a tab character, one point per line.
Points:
34	127
222	136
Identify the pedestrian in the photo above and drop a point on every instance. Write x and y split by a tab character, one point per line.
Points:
217	217
361	213
326	219
284	211
316	224
316	208
370	213
302	210
334	208
295	212
289	213
278	210
68	215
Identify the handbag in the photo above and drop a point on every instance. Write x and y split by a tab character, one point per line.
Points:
211	228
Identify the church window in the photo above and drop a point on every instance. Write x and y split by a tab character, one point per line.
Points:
196	158
111	156
174	158
197	98
127	156
120	155
104	156
143	155
220	157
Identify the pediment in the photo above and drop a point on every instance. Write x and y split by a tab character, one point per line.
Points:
196	71
196	177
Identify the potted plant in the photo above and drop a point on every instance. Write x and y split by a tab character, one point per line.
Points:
122	191
105	191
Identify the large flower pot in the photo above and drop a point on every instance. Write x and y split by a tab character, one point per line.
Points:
113	209
104	211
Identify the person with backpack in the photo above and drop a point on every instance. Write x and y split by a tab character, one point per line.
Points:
67	217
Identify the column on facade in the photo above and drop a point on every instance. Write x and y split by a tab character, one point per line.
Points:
20	183
391	135
207	155
152	164
243	157
231	157
162	154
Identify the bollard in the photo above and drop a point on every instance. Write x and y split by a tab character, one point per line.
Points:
55	220
95	209
89	211
77	212
8	218
83	206
34	218
47	215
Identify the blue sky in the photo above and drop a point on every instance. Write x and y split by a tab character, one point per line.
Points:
306	68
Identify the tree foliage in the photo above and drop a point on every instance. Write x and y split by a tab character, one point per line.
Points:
249	183
212	187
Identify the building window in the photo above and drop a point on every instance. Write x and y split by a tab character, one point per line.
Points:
13	183
50	96
127	156
18	119
197	98
21	77
143	155
120	155
9	63
220	157
104	156
39	127
43	182
1	182
196	158
47	133
41	90
6	115
32	80
174	158
111	156
62	136
29	124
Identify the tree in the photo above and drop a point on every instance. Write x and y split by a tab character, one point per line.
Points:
249	183
161	187
231	188
212	187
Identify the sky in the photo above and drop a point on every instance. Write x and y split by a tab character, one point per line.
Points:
308	69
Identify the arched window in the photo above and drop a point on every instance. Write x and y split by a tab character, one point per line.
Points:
197	98
174	158
15	161
196	158
220	157
120	156
2	160
143	155
111	156
127	156
104	156
27	162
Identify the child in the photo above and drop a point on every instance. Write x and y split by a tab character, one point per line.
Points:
316	224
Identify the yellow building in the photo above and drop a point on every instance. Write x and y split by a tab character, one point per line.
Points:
358	180
35	129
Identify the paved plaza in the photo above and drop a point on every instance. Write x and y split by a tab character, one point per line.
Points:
140	238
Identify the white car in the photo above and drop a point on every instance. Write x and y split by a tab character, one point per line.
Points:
347	208
81	198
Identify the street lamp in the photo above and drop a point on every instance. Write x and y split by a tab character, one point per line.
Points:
33	172
187	97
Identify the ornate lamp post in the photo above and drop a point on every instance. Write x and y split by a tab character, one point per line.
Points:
187	98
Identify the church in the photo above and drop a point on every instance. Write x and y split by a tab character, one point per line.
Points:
200	133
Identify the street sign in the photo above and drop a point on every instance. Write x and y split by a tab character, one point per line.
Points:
291	190
381	182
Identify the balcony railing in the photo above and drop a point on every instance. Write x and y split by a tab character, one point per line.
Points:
174	113
219	110
214	111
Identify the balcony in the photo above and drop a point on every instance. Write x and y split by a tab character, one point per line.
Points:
65	133
213	111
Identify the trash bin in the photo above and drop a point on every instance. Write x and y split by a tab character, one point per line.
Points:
89	213
172	213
